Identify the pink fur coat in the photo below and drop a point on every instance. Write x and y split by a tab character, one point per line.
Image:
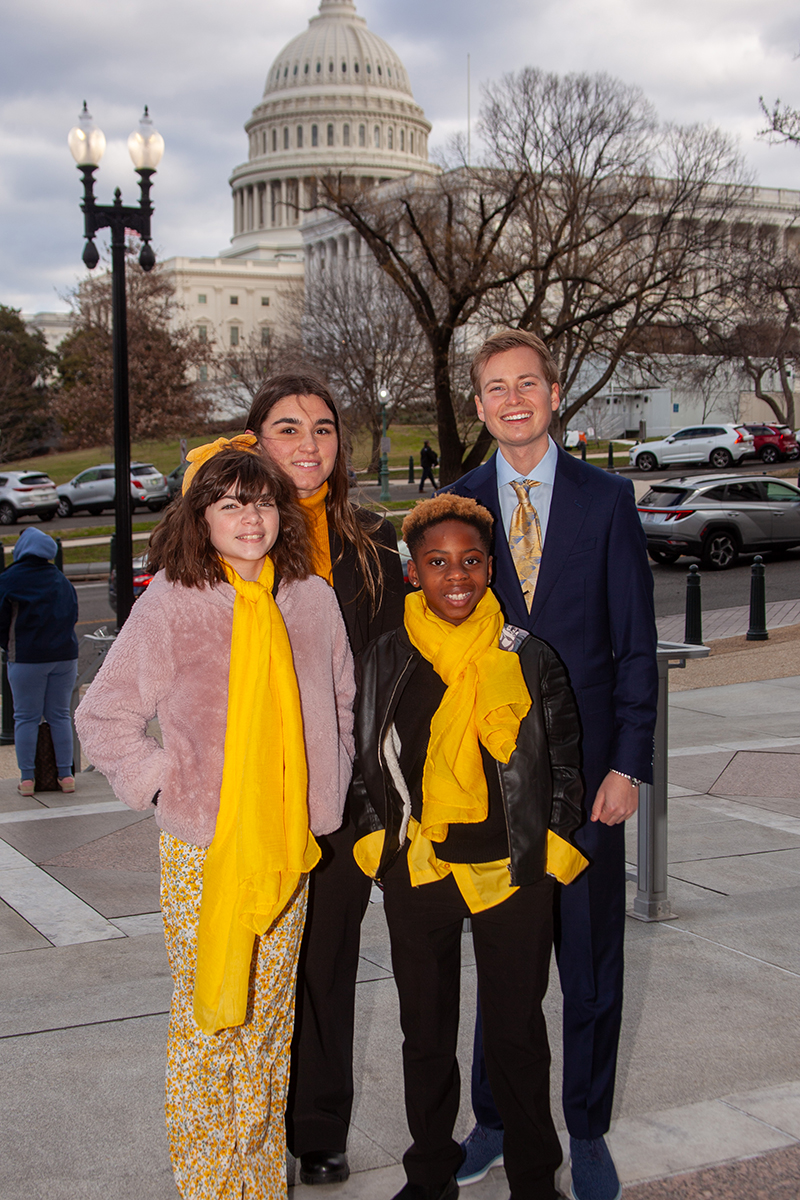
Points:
171	661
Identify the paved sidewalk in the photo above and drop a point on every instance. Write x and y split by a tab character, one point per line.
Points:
710	1061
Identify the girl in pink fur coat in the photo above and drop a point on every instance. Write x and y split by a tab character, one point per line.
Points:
242	657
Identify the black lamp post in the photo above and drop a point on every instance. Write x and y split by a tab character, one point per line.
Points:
145	146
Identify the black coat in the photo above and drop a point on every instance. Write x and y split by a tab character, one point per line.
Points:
363	624
541	784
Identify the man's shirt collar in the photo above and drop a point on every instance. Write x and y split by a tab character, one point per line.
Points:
544	471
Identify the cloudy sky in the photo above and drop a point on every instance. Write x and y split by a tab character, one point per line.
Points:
201	66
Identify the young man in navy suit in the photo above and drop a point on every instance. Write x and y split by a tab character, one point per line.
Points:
583	585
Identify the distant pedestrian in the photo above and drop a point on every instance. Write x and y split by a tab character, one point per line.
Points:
428	460
38	611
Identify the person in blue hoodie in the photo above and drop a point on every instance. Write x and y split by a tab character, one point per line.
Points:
38	611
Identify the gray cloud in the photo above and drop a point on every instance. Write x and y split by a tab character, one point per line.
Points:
201	67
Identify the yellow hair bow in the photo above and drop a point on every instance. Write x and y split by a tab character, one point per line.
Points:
201	454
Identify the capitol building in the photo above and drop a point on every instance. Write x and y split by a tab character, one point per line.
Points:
337	101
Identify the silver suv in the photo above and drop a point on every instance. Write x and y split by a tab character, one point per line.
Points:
94	489
717	519
719	445
26	494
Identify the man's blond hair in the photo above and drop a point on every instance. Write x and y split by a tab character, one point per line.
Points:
512	339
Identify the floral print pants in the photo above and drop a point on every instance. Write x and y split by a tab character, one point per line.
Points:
226	1092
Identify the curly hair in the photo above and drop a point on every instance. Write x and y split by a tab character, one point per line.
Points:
512	339
181	543
446	507
357	530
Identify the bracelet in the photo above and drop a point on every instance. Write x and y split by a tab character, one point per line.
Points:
632	780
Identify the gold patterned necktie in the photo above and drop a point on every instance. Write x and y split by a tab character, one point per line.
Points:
525	539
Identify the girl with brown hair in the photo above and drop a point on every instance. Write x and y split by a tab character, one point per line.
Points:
298	426
242	656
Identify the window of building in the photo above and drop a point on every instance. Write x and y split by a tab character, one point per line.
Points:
376	135
234	299
346	135
285	72
202	333
362	135
265	301
356	68
330	135
274	140
369	69
330	65
411	142
265	335
299	137
234	335
380	72
202	298
263	141
389	72
286	137
390	139
344	67
314	136
203	374
402	139
305	69
319	67
294	72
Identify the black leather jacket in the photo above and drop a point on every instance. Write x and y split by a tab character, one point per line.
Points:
541	784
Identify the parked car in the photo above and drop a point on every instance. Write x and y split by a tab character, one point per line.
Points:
175	480
26	494
141	578
772	443
717	519
93	490
719	445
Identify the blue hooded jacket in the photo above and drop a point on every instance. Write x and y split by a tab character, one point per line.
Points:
38	604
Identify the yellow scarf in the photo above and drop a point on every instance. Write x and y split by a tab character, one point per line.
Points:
262	843
485	701
316	510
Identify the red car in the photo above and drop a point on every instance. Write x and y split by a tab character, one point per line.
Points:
771	443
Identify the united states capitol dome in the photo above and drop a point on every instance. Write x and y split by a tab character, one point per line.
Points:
337	100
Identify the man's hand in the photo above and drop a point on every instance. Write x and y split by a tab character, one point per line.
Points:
616	800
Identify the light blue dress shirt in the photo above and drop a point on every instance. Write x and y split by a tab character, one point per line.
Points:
540	497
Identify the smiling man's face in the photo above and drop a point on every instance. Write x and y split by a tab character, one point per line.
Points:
517	404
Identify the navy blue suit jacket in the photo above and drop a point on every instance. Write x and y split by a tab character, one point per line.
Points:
593	604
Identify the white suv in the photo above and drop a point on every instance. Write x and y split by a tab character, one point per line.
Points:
719	445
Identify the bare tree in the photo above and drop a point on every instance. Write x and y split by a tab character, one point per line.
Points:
438	239
760	330
359	329
619	224
783	122
162	360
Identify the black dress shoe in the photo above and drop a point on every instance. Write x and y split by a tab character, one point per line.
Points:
422	1191
323	1166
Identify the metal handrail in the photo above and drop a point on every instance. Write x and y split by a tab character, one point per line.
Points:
103	641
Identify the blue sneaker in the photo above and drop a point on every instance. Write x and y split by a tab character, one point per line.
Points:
594	1176
483	1149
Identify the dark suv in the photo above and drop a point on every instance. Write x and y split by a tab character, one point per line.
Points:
772	443
719	519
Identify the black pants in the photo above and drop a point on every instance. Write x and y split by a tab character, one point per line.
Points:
589	939
427	473
512	950
321	1083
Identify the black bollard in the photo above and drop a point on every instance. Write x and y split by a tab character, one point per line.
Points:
59	558
693	630
611	456
7	724
758	602
411	468
583	451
